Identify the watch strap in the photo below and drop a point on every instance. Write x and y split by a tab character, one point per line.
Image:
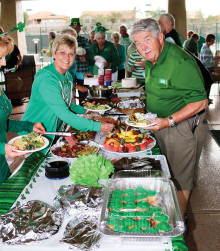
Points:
173	123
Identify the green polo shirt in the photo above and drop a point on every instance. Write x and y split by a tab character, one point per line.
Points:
173	81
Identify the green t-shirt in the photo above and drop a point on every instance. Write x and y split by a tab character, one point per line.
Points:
173	81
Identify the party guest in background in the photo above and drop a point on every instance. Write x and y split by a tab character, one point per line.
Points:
124	40
167	26
105	49
136	66
92	37
122	54
191	44
52	36
206	55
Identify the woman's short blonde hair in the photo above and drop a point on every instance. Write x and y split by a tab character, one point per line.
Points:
6	45
65	39
100	34
115	34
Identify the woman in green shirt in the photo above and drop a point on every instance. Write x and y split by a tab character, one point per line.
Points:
51	95
6	124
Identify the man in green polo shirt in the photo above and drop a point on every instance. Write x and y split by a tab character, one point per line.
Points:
175	92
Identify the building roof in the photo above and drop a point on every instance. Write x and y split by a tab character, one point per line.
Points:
46	15
126	14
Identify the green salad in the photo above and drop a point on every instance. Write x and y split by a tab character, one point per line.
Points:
88	169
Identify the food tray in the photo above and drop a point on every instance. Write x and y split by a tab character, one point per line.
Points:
167	200
61	143
143	173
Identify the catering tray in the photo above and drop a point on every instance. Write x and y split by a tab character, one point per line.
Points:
167	200
165	173
60	143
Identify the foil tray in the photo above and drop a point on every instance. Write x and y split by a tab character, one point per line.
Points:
165	173
167	200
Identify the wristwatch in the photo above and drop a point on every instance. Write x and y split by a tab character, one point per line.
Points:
173	123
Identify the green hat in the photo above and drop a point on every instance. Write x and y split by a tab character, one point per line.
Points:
75	22
99	28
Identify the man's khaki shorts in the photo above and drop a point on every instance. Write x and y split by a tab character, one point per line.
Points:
182	149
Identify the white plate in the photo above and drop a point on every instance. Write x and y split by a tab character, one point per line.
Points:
99	111
99	62
150	146
46	143
138	126
99	59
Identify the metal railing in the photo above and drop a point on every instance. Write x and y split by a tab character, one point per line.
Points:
42	34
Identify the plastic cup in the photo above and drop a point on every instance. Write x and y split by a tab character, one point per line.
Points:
108	71
101	79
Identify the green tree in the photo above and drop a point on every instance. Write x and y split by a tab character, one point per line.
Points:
26	21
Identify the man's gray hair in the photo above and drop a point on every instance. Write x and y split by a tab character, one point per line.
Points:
147	24
100	34
70	31
169	17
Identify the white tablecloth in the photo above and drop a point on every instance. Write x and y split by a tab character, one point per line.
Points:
45	189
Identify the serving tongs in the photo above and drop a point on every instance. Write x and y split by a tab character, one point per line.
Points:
64	134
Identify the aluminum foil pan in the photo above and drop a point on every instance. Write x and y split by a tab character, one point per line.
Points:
31	222
140	168
166	199
75	198
82	232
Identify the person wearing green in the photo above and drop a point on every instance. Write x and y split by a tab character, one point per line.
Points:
52	36
191	44
51	95
200	43
105	49
175	92
7	124
122	54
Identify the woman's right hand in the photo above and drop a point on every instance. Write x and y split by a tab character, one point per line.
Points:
107	127
9	151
